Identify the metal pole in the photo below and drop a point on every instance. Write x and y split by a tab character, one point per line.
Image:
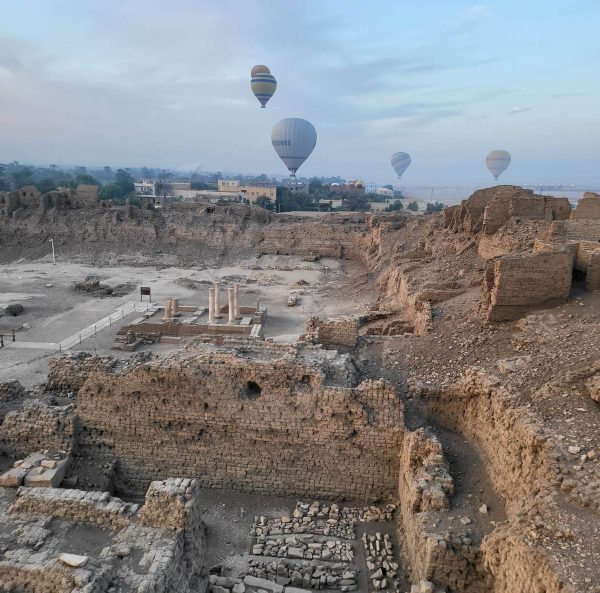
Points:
53	256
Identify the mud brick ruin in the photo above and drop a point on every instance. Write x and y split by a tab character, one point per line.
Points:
440	434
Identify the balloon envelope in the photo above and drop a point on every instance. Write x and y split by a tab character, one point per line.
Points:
263	84
497	162
293	140
400	162
259	69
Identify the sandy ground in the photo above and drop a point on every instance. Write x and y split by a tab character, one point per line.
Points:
229	517
54	310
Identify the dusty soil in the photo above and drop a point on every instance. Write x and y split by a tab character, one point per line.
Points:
52	313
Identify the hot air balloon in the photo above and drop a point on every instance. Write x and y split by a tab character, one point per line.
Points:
497	162
400	162
263	84
293	140
259	69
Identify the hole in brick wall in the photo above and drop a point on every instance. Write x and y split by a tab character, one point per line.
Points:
252	390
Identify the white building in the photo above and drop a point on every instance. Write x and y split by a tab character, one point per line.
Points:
384	191
295	185
370	188
145	188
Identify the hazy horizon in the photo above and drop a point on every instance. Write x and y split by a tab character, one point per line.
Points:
139	83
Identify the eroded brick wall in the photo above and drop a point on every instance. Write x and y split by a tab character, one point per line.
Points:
515	285
339	333
36	426
271	427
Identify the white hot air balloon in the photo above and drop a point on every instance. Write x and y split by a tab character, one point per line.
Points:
293	140
400	162
497	162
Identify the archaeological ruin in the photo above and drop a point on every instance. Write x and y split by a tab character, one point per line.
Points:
347	402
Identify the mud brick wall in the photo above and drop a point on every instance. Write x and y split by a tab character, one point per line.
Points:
266	427
177	329
10	391
425	483
35	426
339	333
518	566
175	504
337	238
587	230
453	564
424	488
28	575
588	207
522	467
582	254
592	279
539	208
79	506
69	372
514	285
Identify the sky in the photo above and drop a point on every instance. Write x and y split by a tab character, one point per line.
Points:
167	84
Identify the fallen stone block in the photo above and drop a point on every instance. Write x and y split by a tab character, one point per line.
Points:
41	477
73	560
257	583
13	478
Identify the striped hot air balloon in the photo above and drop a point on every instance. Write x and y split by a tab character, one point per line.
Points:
293	140
259	69
400	162
497	162
262	83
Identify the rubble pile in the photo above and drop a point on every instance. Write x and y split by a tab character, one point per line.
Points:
380	560
305	575
305	546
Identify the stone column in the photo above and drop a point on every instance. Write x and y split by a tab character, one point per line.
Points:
236	301
167	315
175	308
218	300
231	306
211	305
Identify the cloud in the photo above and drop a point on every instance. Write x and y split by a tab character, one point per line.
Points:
569	94
516	110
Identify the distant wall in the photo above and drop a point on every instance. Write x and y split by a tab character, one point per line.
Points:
578	229
514	285
588	207
339	333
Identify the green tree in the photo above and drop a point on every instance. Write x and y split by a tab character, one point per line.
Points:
124	180
3	181
390	187
21	177
413	206
437	207
111	192
265	202
86	179
45	185
314	185
394	207
288	200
